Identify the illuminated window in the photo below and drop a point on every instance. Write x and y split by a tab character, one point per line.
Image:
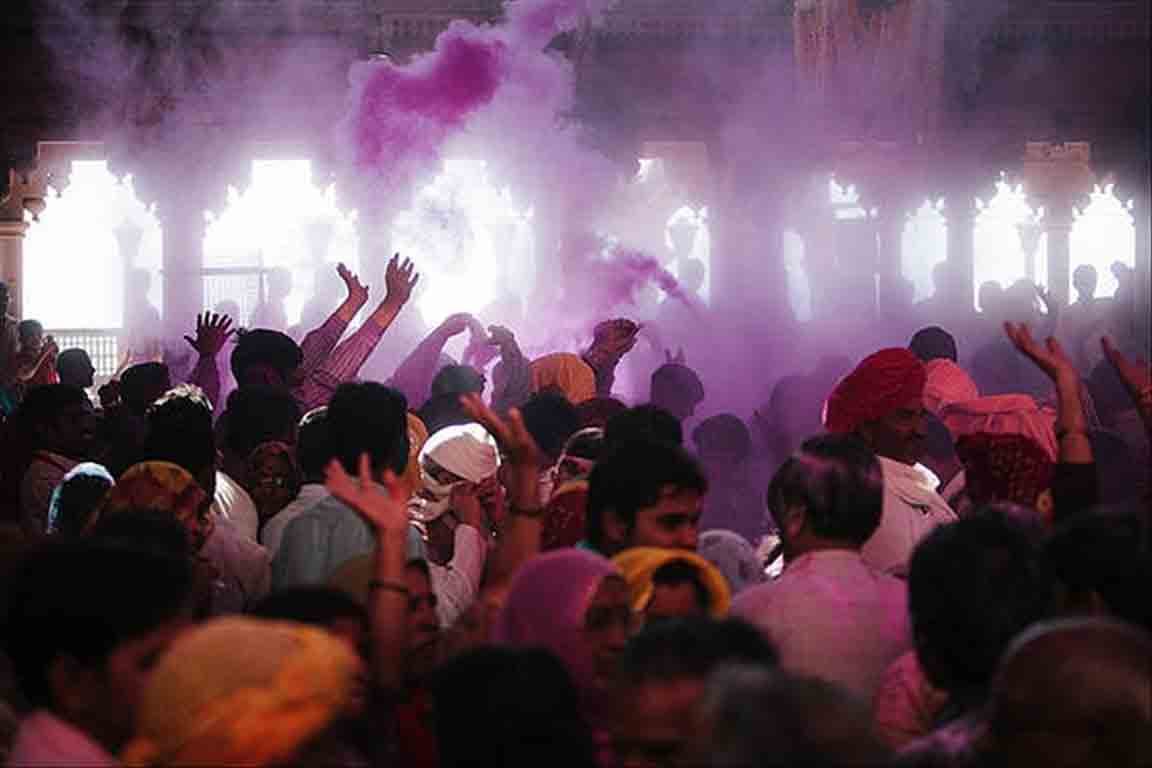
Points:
1009	245
796	276
473	241
1103	233
77	256
688	238
924	245
281	221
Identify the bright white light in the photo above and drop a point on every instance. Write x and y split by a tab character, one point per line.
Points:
281	220
1102	234
694	220
1008	245
845	201
73	265
796	276
924	244
472	239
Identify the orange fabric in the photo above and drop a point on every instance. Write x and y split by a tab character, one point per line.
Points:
566	373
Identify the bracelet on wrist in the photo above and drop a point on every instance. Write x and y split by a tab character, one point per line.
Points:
398	587
1063	433
535	513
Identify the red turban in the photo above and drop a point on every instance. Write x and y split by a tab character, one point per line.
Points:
1011	468
880	384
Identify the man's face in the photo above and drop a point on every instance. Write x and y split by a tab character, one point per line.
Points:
608	623
423	622
672	523
655	723
900	434
75	431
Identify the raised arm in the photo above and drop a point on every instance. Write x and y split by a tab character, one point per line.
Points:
384	509
212	333
414	376
611	341
520	538
512	377
319	343
344	362
1137	378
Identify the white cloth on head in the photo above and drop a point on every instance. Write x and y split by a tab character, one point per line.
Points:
232	504
465	450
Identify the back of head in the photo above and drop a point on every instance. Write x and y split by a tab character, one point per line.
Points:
82	599
551	419
677	389
933	343
180	432
836	480
587	444
644	422
261	352
76	499
41	406
632	476
366	417
258	415
598	411
75	367
314	447
28	330
143	384
1074	693
973	586
725	436
693	649
1012	468
756	718
457	380
515	708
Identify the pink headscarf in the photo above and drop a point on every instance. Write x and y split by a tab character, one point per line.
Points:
546	604
947	383
1003	415
881	383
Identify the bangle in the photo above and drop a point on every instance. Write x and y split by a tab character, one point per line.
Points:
1063	433
398	587
531	514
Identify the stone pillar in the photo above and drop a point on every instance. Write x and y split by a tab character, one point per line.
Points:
960	219
1143	273
26	191
1055	177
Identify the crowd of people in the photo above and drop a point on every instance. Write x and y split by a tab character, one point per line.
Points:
918	558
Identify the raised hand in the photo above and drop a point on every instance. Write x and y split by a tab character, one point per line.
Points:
1135	374
1049	358
400	279
675	359
384	507
212	333
511	434
499	336
357	291
458	324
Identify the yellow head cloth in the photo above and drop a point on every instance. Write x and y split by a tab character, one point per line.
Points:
640	563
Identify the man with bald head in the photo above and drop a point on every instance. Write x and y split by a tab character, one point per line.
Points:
1074	694
882	403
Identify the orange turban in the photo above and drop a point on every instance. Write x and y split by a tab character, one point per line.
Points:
880	384
566	373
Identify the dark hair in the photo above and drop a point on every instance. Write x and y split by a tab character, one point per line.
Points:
515	708
367	417
457	380
587	444
1101	554
180	431
41	406
551	420
632	476
264	347
83	599
145	530
313	446
973	585
256	415
644	422
838	482
676	381
724	433
693	648
676	573
27	328
598	411
80	495
313	605
938	441
72	365
143	384
933	343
